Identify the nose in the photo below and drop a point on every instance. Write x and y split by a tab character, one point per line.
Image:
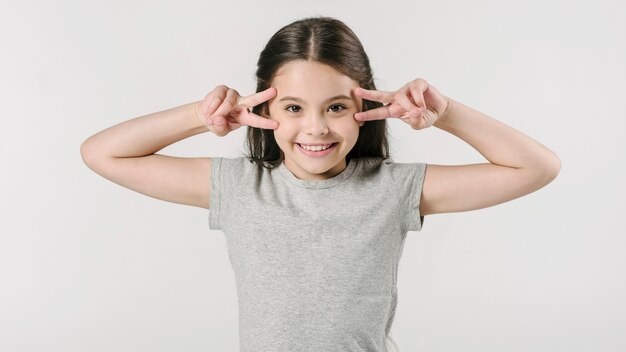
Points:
316	124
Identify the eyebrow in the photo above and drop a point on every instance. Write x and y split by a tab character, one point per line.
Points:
327	100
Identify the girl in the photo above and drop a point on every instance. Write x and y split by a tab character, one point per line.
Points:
316	215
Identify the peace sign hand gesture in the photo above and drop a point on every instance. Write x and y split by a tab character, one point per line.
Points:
223	110
416	103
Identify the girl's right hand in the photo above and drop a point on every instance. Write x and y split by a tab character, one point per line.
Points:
223	110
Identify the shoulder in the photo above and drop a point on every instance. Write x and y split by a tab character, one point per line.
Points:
235	164
389	169
233	169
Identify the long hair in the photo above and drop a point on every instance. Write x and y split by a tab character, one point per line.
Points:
328	41
331	42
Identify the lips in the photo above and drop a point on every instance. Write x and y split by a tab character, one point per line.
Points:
317	153
314	144
325	146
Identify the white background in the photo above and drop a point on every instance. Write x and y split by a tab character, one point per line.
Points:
87	265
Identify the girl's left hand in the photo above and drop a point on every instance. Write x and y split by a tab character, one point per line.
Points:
416	103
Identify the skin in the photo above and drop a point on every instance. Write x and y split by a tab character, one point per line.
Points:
127	155
314	119
518	165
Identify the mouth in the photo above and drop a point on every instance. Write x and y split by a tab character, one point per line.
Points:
317	150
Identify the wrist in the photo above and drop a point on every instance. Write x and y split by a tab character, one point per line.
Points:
444	115
201	122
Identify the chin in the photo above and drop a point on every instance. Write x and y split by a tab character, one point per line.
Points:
318	169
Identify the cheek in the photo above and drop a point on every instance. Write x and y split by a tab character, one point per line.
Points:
285	132
349	129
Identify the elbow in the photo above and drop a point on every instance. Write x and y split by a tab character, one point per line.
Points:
555	165
83	151
87	153
551	169
544	172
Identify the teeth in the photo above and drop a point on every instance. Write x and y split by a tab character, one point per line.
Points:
316	148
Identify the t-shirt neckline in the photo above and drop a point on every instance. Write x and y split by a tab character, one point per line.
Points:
318	184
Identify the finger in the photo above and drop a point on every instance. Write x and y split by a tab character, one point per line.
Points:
418	97
258	98
219	120
408	121
219	125
391	110
255	120
214	105
374	95
207	107
407	105
229	102
430	117
416	123
233	125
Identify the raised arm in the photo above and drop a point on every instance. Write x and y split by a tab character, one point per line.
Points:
518	164
126	153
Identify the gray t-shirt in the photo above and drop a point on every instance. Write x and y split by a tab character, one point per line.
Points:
315	262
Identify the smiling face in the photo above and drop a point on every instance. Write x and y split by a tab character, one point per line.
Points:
315	106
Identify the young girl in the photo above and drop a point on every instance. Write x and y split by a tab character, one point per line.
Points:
316	216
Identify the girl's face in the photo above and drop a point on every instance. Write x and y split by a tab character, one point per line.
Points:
314	105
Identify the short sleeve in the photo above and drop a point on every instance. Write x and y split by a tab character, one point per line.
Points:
415	220
226	175
215	205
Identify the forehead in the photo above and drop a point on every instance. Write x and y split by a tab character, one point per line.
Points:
311	80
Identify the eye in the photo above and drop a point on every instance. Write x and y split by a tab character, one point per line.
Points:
292	106
339	105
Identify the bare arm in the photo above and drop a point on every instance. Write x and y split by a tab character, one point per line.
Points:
125	154
518	165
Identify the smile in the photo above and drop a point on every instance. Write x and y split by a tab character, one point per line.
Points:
317	151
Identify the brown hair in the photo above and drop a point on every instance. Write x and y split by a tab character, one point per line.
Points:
328	41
